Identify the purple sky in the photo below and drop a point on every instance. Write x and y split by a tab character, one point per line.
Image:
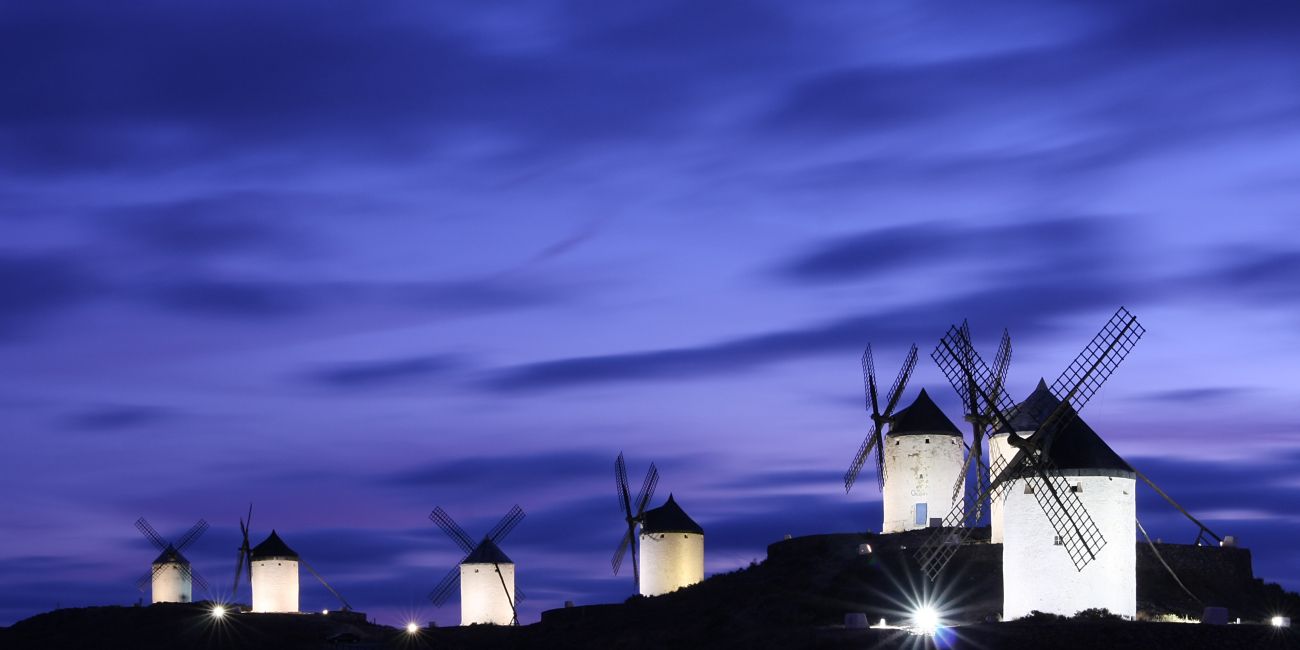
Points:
350	263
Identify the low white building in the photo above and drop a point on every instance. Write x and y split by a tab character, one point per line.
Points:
171	578
487	586
1037	572
672	550
923	456
274	576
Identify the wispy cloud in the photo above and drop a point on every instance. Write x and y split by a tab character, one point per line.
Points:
1194	395
383	372
1040	304
1040	244
117	417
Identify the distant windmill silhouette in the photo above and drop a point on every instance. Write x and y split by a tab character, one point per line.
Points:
171	576
482	596
980	418
633	513
879	417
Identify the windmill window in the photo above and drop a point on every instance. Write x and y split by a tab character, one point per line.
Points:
1077	487
927	441
922	514
1029	489
1056	541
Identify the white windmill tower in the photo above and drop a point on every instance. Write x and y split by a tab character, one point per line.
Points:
923	458
1037	576
486	574
171	576
274	576
919	458
672	549
272	570
1048	506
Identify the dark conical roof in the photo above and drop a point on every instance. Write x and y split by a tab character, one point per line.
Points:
273	546
922	416
1031	413
669	518
170	556
1077	446
487	552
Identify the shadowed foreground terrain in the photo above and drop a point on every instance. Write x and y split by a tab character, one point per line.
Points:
797	598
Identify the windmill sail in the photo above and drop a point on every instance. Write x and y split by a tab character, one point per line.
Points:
1032	461
170	558
879	417
633	513
486	551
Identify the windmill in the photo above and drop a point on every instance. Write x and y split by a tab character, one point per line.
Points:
879	417
970	484
486	574
1075	529
633	516
171	577
272	570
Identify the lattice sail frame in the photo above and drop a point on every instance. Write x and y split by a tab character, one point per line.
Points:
1076	386
981	420
190	536
462	539
878	418
630	506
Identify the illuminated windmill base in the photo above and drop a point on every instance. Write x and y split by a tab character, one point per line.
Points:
274	576
672	550
923	459
670	561
1037	575
919	475
171	583
482	599
487	586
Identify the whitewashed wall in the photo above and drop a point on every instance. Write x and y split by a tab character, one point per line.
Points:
917	471
998	448
670	561
275	585
482	598
171	584
1038	575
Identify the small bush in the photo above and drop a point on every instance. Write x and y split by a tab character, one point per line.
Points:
1040	617
1097	614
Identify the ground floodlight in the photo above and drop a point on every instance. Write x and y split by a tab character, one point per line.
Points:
925	620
